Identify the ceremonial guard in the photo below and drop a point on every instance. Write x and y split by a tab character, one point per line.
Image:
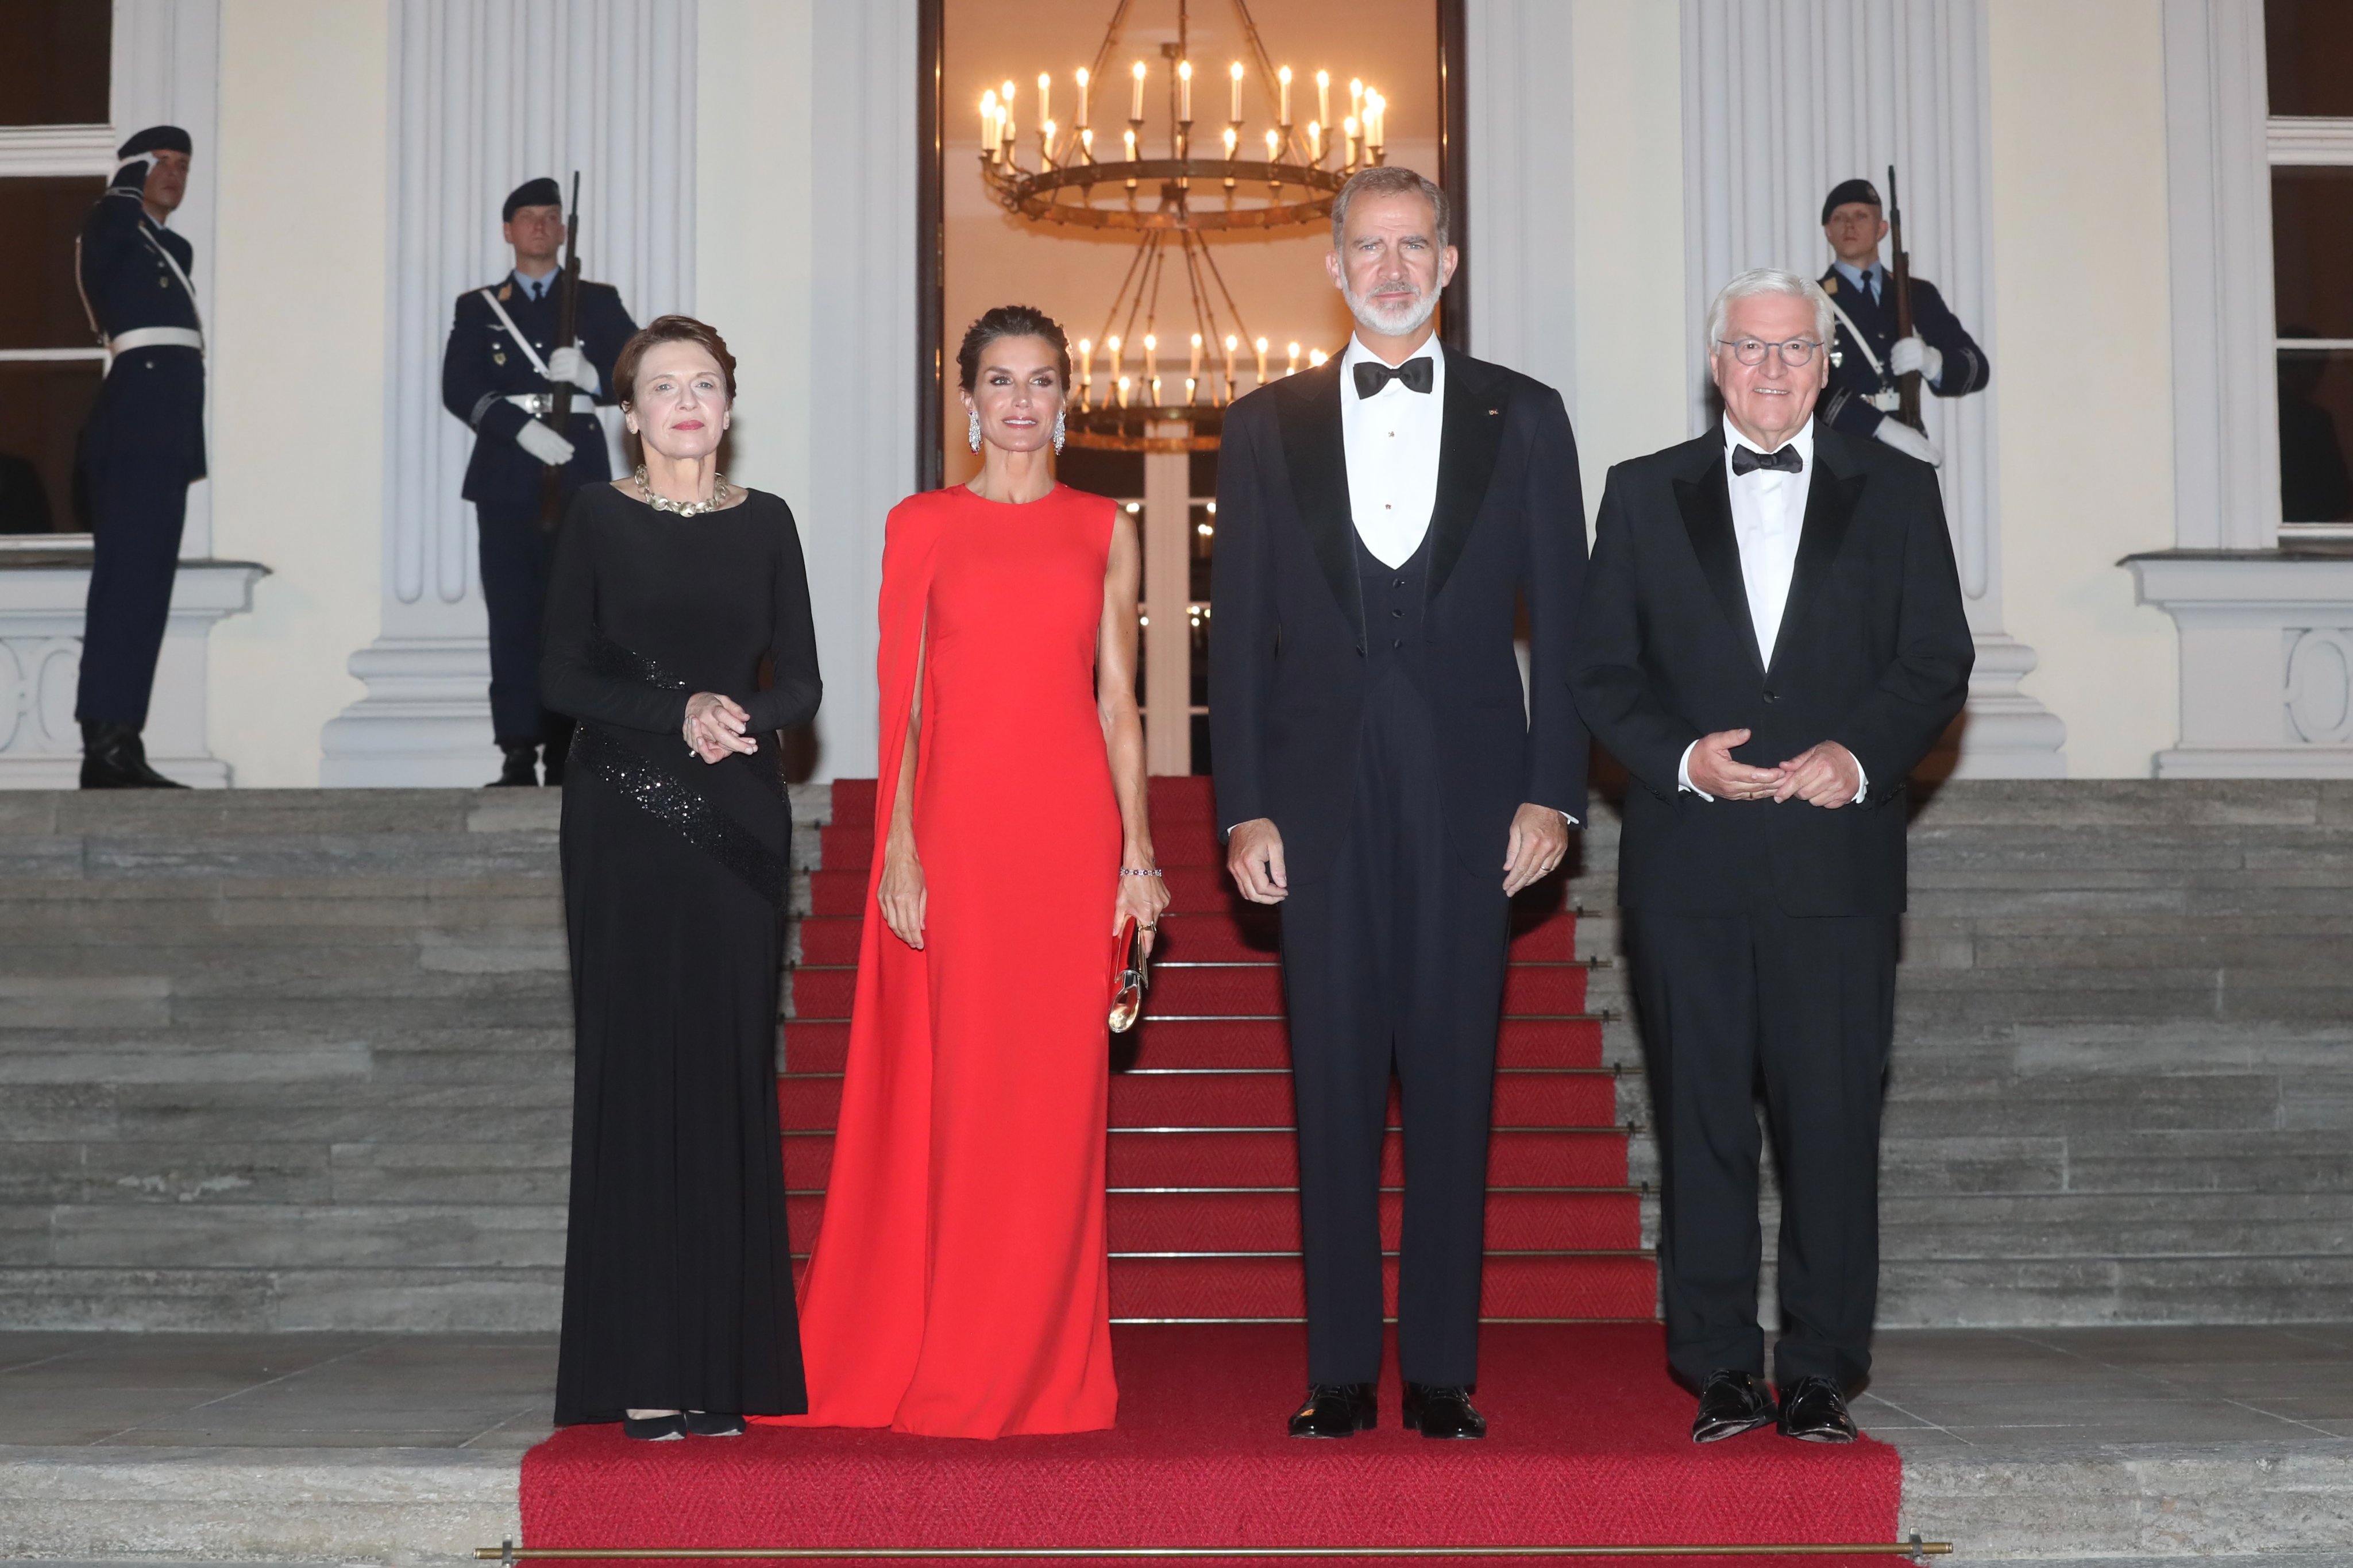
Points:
143	445
1873	355
498	375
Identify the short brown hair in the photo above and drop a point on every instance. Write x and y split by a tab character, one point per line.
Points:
669	329
1010	322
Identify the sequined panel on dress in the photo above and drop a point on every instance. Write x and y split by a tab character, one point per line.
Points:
609	658
697	821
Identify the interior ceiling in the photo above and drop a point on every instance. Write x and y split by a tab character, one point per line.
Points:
1278	280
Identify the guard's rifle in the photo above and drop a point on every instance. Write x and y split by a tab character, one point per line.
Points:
567	335
1907	385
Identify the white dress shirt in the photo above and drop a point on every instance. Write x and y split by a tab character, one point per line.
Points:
1392	440
1768	518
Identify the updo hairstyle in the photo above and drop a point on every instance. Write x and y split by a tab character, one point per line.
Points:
1009	322
669	329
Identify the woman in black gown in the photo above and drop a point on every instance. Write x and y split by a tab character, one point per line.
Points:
669	589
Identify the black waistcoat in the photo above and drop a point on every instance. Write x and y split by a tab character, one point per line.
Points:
1396	600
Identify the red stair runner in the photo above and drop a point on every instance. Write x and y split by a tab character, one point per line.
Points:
1204	1165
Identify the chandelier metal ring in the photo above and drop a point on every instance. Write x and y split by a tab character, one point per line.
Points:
1032	193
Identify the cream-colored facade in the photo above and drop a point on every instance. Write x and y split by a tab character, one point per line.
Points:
1586	199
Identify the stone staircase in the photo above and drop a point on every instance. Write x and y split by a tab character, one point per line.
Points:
301	1059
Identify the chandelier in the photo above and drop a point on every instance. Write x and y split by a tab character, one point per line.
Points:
1156	185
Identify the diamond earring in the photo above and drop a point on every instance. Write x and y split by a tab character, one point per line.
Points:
1058	432
972	430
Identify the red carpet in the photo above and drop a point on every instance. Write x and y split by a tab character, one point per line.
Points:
1590	1440
1589	1445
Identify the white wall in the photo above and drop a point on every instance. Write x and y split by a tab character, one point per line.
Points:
2084	358
1637	354
296	370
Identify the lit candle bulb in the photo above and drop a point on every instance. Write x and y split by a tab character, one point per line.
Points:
1348	139
1316	142
988	125
1232	144
1129	137
1086	371
1193	367
1155	392
1273	145
1293	368
1123	390
1087	142
1282	111
1260	347
1315	358
1151	359
1356	97
1190	383
1376	112
1081	120
1110	347
1235	73
1323	97
1135	105
1045	96
1045	141
1232	342
1184	91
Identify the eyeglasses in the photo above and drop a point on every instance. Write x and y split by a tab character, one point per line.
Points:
1797	352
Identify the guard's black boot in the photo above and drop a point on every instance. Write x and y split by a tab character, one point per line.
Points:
113	758
521	767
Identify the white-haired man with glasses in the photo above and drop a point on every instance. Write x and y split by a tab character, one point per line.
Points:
1770	638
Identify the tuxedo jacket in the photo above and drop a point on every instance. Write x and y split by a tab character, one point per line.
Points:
1874	652
1287	657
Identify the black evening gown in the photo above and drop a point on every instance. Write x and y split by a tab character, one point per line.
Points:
678	1278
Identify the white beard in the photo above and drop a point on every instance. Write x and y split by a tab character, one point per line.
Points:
1396	323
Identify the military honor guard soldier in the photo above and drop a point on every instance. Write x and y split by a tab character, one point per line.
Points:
1863	396
497	374
143	446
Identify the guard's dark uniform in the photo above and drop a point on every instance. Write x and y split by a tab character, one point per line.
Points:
1856	378
142	448
483	371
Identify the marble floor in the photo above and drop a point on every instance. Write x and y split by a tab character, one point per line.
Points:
1933	1389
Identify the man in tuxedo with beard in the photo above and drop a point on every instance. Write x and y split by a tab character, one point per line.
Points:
1384	776
1771	638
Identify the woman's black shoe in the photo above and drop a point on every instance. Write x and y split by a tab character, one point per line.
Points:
1814	1411
1337	1410
654	1428
713	1423
1437	1411
1730	1403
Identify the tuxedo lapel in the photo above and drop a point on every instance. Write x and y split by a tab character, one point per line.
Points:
1470	435
1308	406
1830	508
1707	502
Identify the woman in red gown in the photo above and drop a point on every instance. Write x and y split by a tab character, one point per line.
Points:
959	1285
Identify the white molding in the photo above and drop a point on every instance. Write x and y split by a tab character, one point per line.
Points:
1782	101
50	151
2226	478
2266	679
862	333
486	94
2291	138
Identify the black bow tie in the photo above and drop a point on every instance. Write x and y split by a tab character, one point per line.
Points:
1746	459
1418	374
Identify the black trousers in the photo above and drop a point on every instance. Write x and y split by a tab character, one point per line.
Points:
1804	1007
516	554
142	449
1395	959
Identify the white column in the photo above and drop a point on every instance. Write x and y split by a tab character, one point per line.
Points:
1783	99
1519	255
861	348
486	94
1167	590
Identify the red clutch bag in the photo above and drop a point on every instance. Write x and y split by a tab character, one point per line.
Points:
1135	974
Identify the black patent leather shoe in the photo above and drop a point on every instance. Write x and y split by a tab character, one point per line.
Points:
520	768
1441	1411
1814	1411
1337	1410
668	1428
114	757
712	1424
1730	1403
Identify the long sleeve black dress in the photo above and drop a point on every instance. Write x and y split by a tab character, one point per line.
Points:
678	1280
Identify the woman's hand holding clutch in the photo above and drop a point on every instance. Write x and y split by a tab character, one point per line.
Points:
901	892
714	727
1143	894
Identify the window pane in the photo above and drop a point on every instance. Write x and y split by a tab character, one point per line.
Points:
53	61
39	220
43	407
2308	51
2316	404
2312	251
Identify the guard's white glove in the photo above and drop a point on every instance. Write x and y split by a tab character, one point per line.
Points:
572	365
1915	352
544	444
1908	441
